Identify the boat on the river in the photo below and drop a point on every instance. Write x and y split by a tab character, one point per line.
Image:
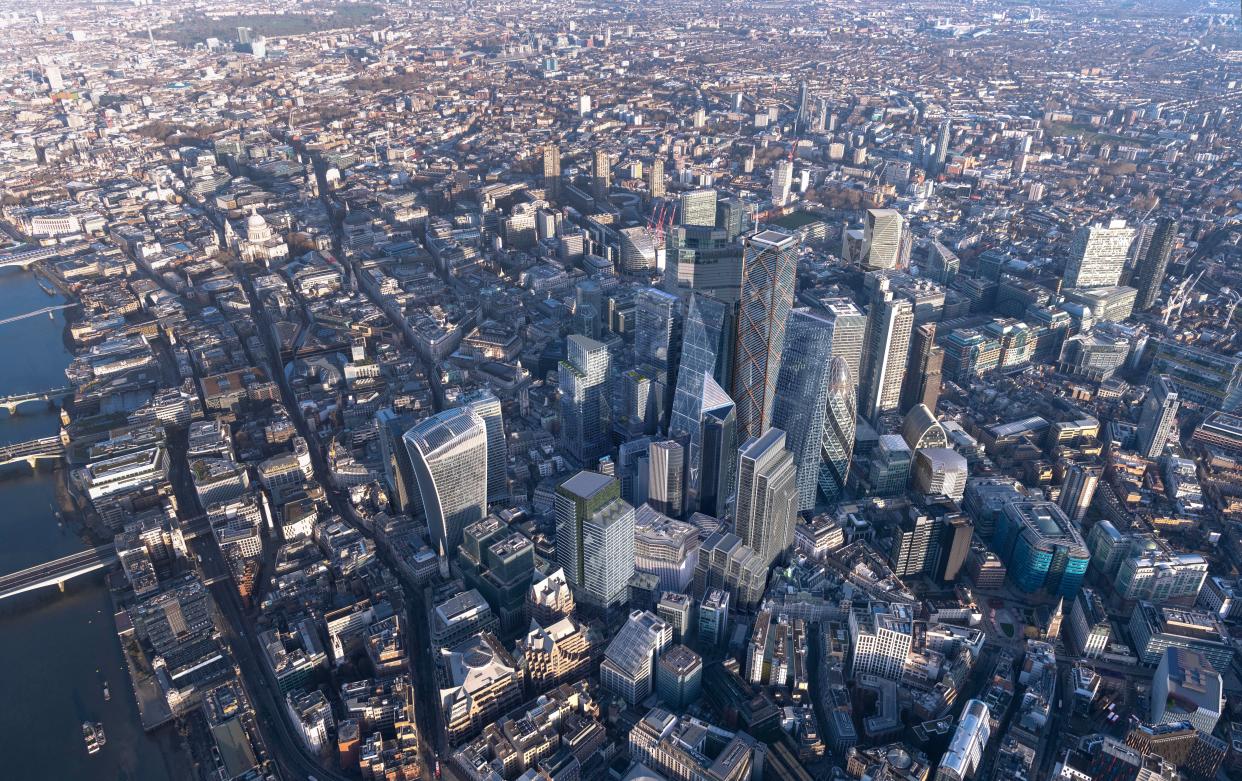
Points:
93	734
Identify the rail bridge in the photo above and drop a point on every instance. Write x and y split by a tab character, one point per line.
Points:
32	451
14	401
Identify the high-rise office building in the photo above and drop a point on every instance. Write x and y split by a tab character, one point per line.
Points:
1200	374
639	252
956	536
448	452
942	263
55	81
823	119
1041	548
499	562
804	107
1152	571
767	495
1153	264
698	207
849	332
916	544
888	472
676	610
550	599
713	618
1078	490
769	270
1138	248
595	538
920	428
966	748
1196	754
1158	421
733	216
801	402
628	669
932	544
657	343
655	178
889	324
558	653
1186	687
641	399
707	344
1098	254
631	469
601	174
884	239
727	563
398	471
665	481
782	182
940	471
585	399
666	548
942	145
487	406
840	422
717	458
705	358
657	335
679	676
703	260
552	171
881	636
923	370
1088	627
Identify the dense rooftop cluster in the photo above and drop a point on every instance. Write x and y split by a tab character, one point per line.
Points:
559	390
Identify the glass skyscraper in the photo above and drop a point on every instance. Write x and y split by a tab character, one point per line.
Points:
657	337
718	457
448	452
767	495
814	338
698	207
889	323
1154	263
665	477
487	406
595	538
802	395
840	422
769	269
1158	420
703	358
585	399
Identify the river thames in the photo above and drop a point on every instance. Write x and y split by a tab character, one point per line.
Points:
58	649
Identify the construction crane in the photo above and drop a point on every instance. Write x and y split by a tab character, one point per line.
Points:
1181	292
661	220
1234	299
1147	216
